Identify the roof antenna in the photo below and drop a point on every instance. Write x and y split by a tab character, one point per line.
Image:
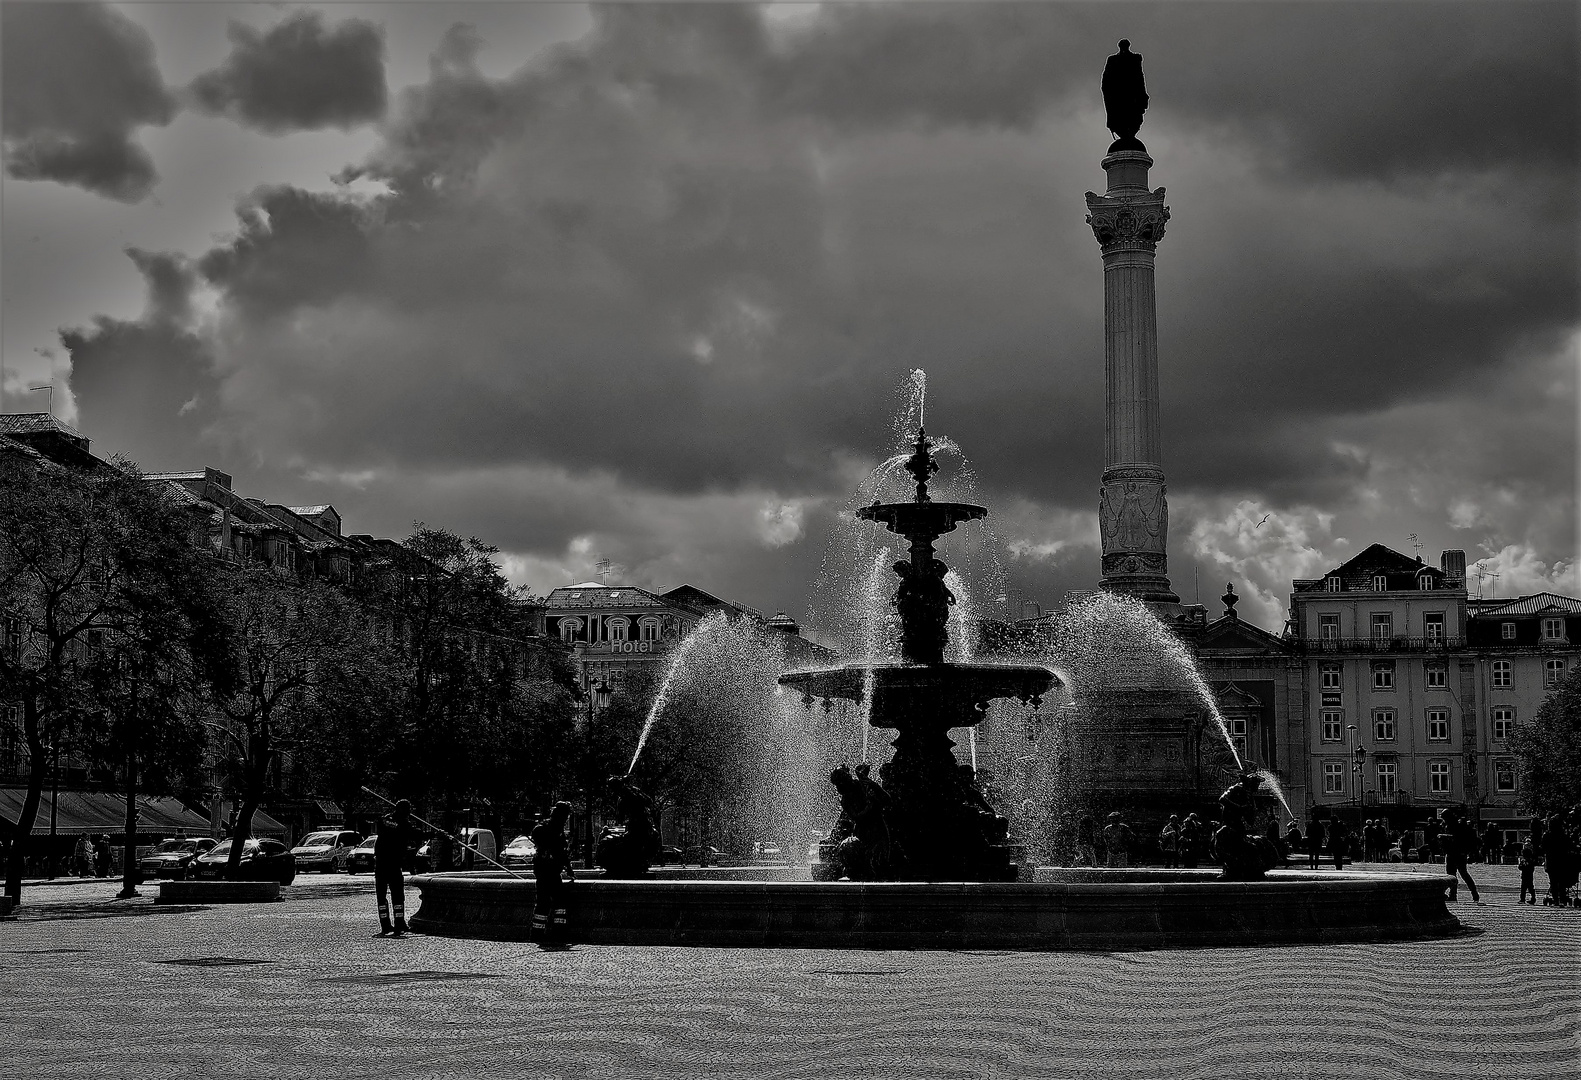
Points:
603	567
1416	542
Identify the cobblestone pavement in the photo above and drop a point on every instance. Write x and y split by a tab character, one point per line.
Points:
95	987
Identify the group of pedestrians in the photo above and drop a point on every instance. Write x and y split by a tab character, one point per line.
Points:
91	857
1553	846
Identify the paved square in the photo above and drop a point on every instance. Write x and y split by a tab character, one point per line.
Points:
94	987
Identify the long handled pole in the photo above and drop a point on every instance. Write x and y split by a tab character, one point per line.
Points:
452	836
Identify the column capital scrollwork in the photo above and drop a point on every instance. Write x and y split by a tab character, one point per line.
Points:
1127	221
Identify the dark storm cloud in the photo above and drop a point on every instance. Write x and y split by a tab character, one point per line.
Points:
669	274
298	75
79	78
146	387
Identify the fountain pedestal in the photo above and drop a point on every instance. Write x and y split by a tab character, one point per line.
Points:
939	826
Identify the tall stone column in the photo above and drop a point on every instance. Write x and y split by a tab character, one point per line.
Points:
1133	515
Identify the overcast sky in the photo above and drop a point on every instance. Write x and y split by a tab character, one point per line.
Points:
640	282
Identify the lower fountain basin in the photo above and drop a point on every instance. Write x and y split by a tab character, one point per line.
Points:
1062	909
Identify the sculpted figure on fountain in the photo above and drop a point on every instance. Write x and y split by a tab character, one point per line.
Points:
1244	854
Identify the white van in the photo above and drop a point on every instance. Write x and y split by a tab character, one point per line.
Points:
480	841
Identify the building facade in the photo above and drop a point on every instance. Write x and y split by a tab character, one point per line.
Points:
1389	683
616	630
1519	651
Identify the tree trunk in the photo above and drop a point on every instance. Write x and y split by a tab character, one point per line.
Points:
129	851
23	836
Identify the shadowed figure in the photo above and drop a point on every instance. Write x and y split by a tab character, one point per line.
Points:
1244	855
1124	97
862	833
628	849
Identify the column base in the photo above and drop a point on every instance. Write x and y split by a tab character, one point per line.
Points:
1146	587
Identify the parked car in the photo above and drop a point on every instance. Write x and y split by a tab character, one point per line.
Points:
361	857
669	853
519	853
173	858
261	860
325	851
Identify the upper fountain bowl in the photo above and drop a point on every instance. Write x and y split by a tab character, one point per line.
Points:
921	518
947	695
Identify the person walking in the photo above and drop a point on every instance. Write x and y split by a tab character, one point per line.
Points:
389	849
1459	841
1086	841
1315	840
1529	859
1294	842
1338	842
1169	842
552	876
1117	838
101	856
82	858
1558	858
1191	840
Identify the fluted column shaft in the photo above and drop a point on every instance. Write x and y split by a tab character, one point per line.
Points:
1128	221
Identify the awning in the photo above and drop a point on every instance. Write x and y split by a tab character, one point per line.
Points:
83	812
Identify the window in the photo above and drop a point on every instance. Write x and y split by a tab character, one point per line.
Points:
1424	582
1433	626
618	628
1553	672
1383	674
1388	777
1553	629
1380	583
1507	631
1333	725
1501	673
1333	777
648	628
1382	626
569	628
1328	627
1383	725
1437	677
1504	774
1438	725
1330	679
1331	584
1438	777
1236	725
1503	723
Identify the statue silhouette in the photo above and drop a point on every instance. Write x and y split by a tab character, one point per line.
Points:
1124	97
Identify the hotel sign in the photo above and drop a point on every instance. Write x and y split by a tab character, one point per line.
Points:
627	647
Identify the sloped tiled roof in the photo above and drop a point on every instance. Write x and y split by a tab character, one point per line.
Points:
1535	604
29	423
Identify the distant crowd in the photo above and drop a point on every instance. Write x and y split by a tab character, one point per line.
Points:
1187	842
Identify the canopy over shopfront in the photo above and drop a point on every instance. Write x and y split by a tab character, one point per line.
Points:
92	812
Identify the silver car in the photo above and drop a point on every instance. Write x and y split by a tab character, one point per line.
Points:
326	850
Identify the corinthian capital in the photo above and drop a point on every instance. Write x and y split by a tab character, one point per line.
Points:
1131	220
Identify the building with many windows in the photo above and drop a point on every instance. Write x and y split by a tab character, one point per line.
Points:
1390	685
614	630
1520	650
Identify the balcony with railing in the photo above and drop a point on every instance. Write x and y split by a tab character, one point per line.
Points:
1381	645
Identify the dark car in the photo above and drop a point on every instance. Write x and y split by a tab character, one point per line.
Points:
261	860
362	857
173	858
669	853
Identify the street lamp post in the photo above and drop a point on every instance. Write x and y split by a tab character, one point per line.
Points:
1359	756
54	801
598	697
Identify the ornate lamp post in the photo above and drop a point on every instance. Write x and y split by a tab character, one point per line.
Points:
1359	759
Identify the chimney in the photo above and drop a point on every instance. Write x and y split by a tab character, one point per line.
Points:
214	476
1453	564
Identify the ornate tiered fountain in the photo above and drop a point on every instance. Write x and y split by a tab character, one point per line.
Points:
925	854
934	824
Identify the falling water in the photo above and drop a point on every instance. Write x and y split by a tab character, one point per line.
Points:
971	738
712	623
1272	782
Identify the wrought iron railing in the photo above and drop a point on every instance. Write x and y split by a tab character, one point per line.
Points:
1381	644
